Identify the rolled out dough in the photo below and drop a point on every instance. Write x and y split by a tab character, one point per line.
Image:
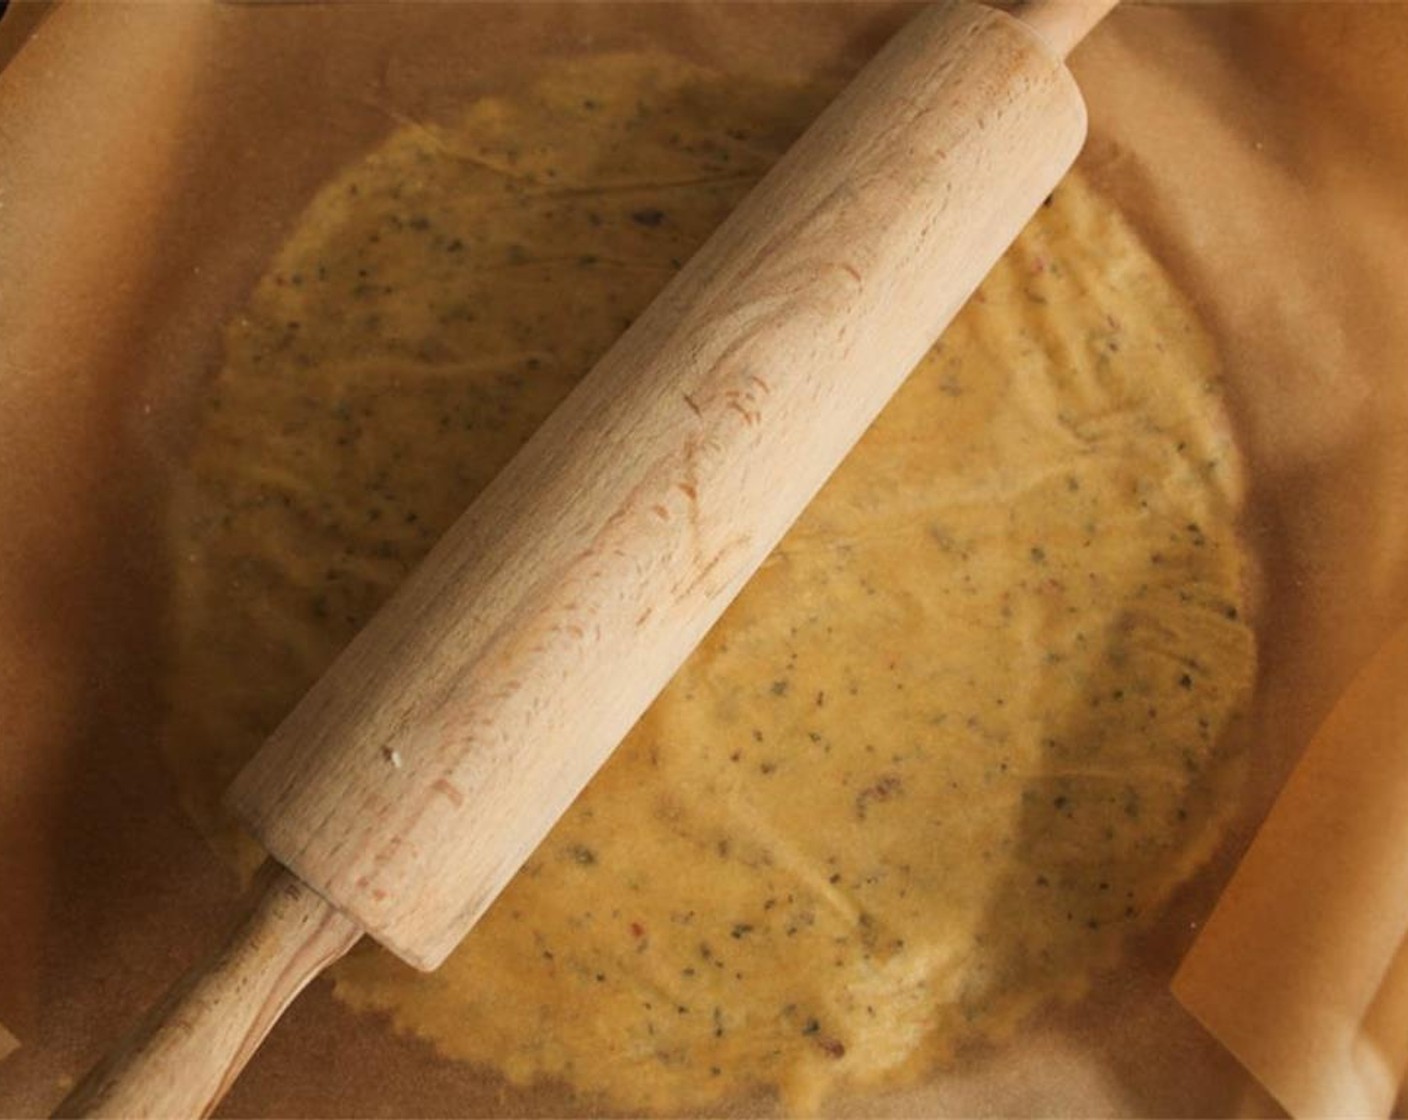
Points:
962	734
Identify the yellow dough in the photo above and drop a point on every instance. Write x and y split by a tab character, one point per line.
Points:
964	732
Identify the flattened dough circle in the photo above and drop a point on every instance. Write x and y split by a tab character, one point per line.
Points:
964	731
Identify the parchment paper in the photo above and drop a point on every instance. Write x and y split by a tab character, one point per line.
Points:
1327	874
152	157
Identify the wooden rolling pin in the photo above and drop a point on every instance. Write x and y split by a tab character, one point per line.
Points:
415	778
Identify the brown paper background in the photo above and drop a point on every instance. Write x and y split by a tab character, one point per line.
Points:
152	157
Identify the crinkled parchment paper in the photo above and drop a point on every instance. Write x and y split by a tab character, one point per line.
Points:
152	159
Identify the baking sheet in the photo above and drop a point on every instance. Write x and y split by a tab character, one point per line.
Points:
152	158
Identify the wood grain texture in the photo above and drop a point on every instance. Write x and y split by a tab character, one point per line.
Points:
191	1047
415	778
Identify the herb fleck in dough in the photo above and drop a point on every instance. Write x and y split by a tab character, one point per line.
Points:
964	731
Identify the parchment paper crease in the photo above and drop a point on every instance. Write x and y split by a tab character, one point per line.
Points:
1303	969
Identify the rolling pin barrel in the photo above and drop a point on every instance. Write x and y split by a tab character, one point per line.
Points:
415	778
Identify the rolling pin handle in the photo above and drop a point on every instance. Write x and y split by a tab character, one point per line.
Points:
1062	24
186	1053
